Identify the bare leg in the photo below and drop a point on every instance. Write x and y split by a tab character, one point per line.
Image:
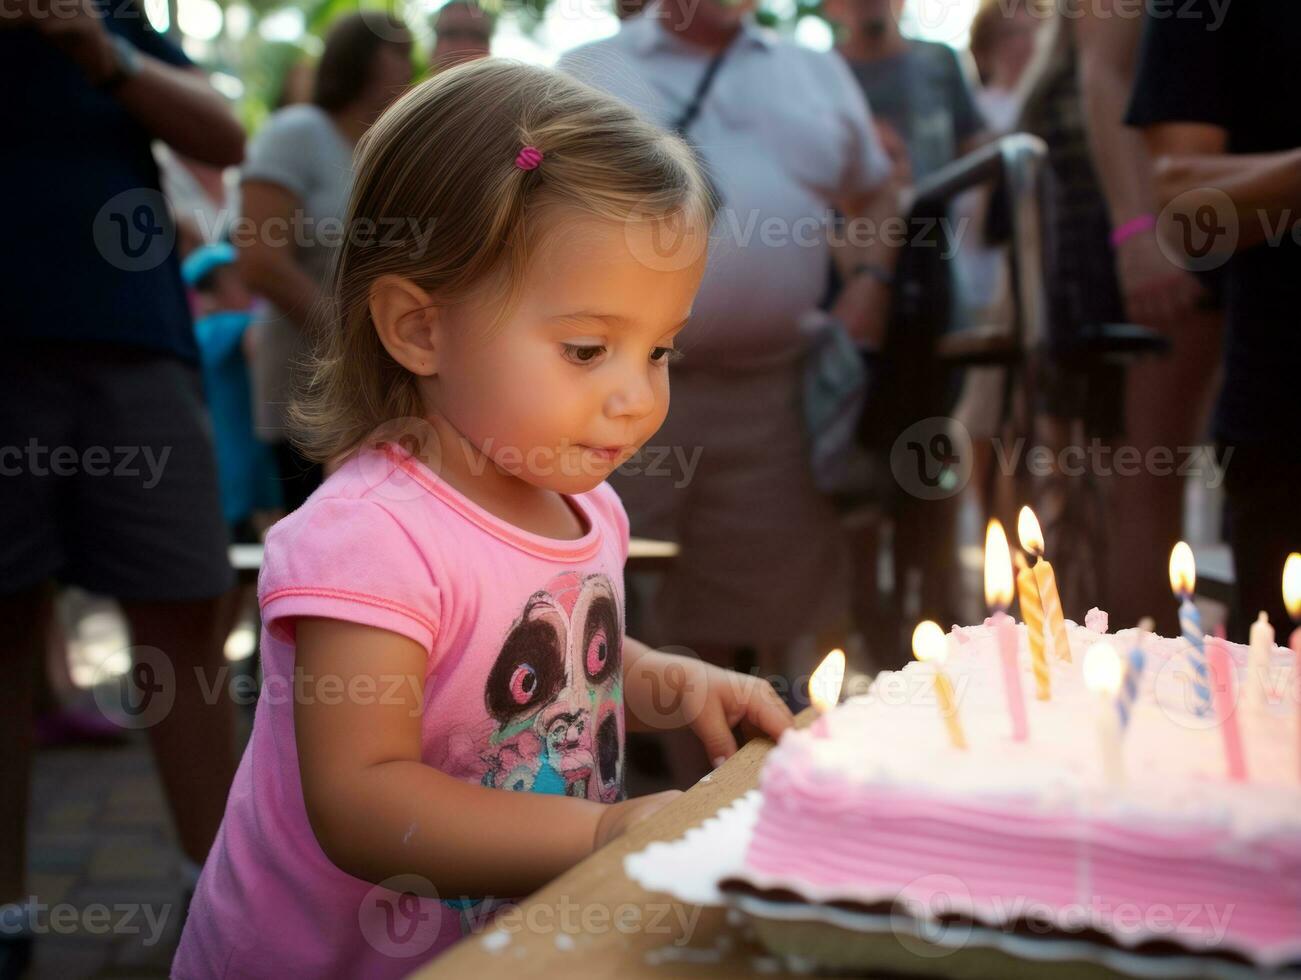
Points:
27	615
194	743
1166	400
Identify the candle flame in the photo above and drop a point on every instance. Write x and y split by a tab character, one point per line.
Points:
825	683
1292	585
929	644
1183	570
1102	669
998	567
1028	530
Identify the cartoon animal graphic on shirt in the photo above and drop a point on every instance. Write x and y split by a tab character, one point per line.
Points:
555	694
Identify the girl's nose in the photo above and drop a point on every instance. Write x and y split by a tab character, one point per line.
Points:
633	397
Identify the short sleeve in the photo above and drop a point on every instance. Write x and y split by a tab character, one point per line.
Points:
967	118
866	163
614	508
1182	71
348	559
283	150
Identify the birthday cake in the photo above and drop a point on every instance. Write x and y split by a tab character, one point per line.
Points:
877	813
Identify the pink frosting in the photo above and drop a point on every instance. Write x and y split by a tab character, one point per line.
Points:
1211	873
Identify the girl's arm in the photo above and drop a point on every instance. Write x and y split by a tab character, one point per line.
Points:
667	691
378	811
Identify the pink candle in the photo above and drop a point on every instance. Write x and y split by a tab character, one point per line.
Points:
1295	644
1222	691
1005	630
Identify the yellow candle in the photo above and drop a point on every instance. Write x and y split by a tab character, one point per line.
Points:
1032	611
949	708
1032	540
930	646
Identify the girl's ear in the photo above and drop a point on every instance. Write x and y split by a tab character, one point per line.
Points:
407	321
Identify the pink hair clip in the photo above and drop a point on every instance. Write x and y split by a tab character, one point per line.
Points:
529	158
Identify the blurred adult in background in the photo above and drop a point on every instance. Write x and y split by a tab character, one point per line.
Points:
918	89
297	83
1004	35
294	188
1003	40
786	135
462	32
100	360
922	103
1105	266
1228	174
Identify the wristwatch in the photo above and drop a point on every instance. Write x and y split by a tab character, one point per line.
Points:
126	63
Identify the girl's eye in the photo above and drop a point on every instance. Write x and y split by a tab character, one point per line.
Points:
582	355
665	355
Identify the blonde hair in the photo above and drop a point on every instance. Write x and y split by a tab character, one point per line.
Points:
441	163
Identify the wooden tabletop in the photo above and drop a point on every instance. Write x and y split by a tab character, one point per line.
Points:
597	922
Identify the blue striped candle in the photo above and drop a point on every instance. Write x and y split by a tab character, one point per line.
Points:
1190	624
1129	690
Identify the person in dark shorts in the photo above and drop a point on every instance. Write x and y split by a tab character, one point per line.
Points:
107	477
1210	97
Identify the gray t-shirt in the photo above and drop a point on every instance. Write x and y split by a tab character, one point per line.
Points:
923	93
786	133
301	150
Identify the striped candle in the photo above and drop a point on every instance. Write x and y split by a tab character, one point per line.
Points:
1052	603
1183	580
1135	662
1032	540
1190	625
1032	611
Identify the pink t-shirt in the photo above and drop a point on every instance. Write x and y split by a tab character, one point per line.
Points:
523	690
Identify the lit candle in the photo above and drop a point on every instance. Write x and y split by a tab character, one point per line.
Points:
1102	676
998	596
1221	669
1032	540
1183	578
824	689
929	646
1261	644
1292	599
1032	611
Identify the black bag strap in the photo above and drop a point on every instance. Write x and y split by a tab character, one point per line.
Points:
692	109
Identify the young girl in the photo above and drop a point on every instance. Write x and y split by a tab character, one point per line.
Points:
446	681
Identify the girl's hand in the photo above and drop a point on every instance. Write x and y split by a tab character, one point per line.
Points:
618	817
668	691
733	699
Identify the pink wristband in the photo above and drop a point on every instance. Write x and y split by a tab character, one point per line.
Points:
1132	227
